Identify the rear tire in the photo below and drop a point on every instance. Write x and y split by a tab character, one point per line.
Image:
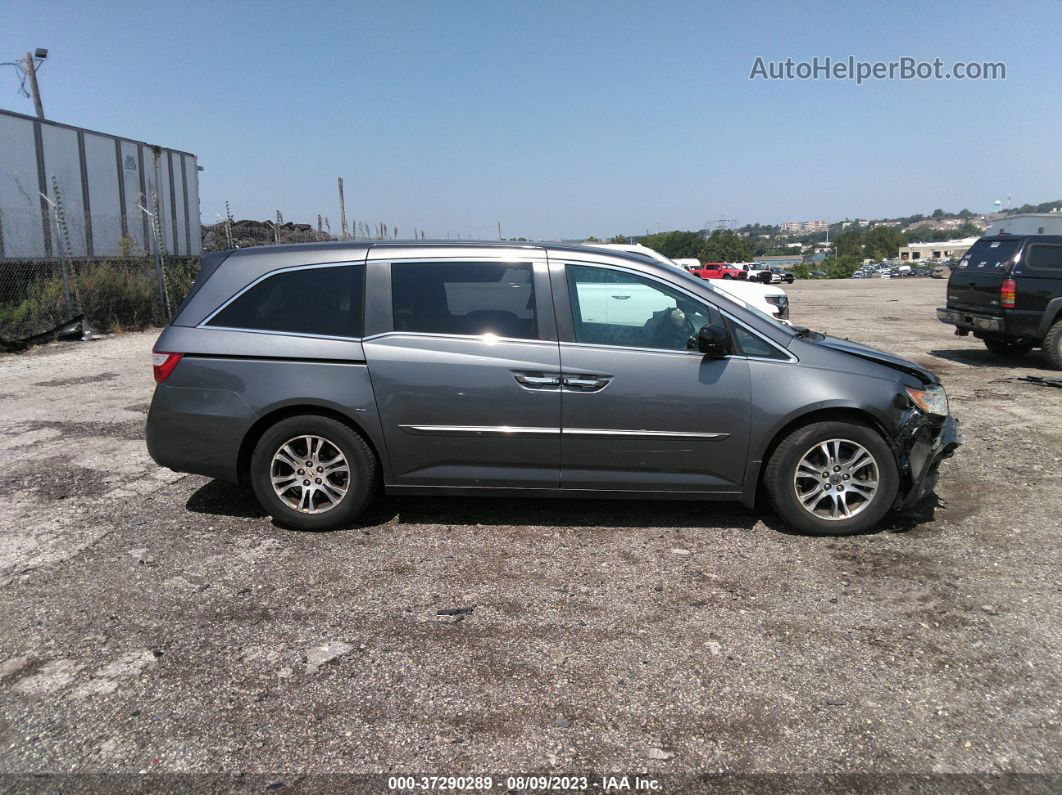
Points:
1007	348
805	499
1052	345
329	482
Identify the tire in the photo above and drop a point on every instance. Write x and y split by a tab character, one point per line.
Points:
338	500
1007	348
727	276
784	488
1052	345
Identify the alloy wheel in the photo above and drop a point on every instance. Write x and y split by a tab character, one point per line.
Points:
836	479
310	474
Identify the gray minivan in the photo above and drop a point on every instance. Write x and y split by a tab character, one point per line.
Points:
319	372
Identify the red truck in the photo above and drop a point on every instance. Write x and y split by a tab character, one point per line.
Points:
717	270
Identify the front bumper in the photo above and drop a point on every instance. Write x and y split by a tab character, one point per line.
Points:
921	447
971	321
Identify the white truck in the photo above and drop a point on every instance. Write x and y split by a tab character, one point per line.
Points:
770	300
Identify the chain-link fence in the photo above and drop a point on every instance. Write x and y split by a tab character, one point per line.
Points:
133	290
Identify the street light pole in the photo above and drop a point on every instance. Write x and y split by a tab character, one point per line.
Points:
31	72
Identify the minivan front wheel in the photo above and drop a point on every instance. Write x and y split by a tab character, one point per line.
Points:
313	473
832	478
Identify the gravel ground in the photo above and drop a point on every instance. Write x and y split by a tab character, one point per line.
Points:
155	621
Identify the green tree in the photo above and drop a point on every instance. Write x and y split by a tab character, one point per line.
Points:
849	243
840	267
726	245
883	242
674	244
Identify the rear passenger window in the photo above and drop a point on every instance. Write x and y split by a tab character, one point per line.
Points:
323	302
1043	257
464	298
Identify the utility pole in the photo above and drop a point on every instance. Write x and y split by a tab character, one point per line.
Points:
343	231
499	230
31	72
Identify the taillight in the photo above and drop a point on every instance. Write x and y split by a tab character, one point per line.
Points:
1007	294
162	364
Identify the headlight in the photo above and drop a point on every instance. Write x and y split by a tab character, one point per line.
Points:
933	400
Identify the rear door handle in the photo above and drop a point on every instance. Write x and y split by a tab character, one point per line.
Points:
621	297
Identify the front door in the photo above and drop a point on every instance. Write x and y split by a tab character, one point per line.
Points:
641	409
467	380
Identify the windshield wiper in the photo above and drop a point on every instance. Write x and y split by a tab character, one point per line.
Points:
805	333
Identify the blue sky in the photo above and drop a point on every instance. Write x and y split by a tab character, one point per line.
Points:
559	119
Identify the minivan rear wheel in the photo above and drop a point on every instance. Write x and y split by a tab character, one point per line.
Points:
832	478
313	473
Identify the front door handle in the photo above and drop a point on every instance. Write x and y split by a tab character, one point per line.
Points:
538	381
585	383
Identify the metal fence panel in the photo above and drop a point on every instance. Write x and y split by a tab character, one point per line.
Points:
20	205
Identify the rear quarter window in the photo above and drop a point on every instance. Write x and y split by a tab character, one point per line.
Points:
316	301
1044	257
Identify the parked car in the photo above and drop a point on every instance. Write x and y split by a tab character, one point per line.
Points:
760	273
719	270
941	272
784	275
1007	292
321	372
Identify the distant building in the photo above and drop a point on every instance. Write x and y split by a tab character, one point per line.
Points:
1028	224
780	261
945	249
805	226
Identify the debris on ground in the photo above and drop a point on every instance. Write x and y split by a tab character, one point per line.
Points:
326	653
1041	380
69	330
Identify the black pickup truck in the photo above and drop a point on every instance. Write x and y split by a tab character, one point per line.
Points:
1007	292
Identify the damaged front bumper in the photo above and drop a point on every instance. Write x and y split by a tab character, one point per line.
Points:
920	447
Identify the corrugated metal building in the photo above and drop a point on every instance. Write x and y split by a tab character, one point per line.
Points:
102	179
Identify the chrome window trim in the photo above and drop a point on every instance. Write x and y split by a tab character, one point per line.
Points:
486	339
283	333
348	264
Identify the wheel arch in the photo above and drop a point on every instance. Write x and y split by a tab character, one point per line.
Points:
271	418
1052	314
756	466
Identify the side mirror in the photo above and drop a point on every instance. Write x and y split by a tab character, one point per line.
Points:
713	341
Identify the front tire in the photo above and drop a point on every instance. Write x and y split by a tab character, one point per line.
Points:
832	478
1006	348
313	473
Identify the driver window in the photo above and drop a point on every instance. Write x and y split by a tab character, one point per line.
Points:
612	307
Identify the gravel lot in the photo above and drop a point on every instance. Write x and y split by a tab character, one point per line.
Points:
155	621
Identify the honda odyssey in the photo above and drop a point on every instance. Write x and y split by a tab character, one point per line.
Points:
319	373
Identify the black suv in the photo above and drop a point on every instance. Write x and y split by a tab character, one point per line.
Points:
1007	290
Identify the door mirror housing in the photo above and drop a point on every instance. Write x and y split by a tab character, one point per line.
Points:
713	341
